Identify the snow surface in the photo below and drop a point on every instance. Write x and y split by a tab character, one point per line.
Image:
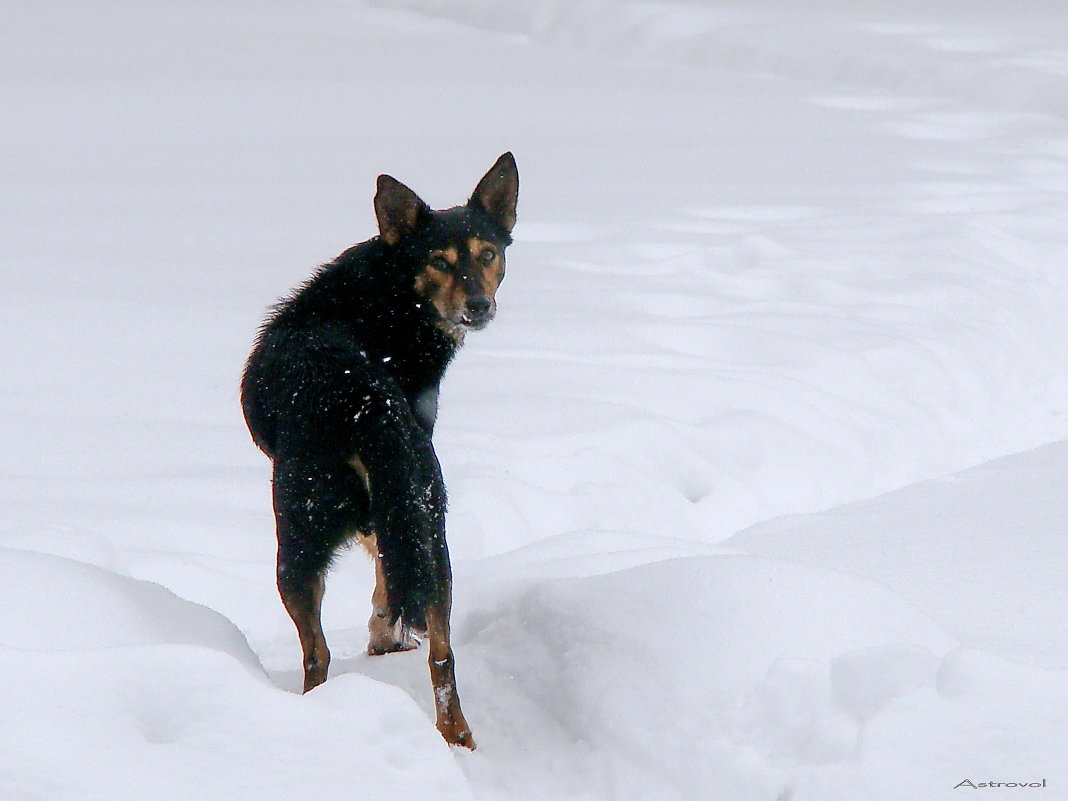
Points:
784	277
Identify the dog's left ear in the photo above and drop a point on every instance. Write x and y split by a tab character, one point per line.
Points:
498	192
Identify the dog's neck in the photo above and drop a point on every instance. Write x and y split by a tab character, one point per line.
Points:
417	349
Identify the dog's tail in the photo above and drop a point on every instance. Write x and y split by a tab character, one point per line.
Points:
417	573
407	511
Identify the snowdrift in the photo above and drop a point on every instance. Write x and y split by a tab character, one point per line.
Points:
122	690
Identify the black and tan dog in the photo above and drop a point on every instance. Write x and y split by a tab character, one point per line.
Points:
341	393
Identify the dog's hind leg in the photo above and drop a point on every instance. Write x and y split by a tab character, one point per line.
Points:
408	517
385	637
303	600
450	718
308	533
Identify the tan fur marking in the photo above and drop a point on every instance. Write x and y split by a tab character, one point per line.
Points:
451	255
436	286
305	611
423	283
369	543
356	463
439	288
490	275
378	597
476	246
457	297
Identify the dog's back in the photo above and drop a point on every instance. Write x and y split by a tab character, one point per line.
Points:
340	391
347	326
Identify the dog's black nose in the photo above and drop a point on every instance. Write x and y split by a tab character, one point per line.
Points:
478	306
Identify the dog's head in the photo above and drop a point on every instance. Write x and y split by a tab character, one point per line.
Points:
457	254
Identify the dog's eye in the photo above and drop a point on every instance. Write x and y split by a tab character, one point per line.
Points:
488	256
439	263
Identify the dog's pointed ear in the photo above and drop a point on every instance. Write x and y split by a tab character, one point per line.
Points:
498	192
397	208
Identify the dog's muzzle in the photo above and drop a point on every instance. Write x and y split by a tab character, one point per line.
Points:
477	313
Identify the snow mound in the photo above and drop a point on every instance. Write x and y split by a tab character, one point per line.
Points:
890	648
75	606
664	680
975	550
123	691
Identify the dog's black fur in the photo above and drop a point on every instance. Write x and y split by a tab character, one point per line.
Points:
340	391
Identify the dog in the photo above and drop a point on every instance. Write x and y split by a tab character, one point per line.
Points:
341	393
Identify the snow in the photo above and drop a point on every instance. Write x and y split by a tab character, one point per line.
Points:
756	480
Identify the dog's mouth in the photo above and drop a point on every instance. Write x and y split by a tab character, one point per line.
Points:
469	322
458	325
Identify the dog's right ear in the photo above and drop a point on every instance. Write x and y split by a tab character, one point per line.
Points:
397	208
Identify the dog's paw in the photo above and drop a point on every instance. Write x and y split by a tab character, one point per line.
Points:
390	643
458	735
